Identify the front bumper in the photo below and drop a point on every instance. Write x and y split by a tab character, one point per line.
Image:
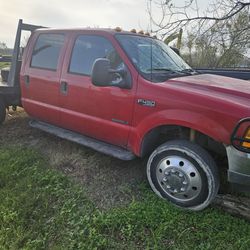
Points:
239	167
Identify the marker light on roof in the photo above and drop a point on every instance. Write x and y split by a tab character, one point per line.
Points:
118	29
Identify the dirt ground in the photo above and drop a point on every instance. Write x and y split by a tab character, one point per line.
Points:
109	182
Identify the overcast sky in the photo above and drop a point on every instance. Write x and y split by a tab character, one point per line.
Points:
127	14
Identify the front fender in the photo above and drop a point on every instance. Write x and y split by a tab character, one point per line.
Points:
184	118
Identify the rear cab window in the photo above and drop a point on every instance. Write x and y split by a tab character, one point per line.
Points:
46	52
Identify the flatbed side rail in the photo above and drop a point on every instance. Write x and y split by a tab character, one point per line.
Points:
240	73
13	74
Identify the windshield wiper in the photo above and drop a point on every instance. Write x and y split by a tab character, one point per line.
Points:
163	69
189	71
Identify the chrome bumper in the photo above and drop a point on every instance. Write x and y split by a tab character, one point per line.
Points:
239	166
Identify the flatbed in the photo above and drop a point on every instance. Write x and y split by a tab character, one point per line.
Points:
10	93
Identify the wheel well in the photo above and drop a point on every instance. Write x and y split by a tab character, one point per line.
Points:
161	134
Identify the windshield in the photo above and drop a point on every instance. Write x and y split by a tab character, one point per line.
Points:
153	58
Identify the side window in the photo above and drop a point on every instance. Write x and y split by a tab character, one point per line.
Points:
46	52
87	49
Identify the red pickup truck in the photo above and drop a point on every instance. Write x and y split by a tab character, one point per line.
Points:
129	95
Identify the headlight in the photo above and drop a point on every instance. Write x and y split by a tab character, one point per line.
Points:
240	137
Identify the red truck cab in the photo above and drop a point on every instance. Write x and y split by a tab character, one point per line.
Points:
128	95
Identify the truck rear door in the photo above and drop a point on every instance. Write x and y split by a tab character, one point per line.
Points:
40	77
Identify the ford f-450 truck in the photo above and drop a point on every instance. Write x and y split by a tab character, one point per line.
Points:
129	95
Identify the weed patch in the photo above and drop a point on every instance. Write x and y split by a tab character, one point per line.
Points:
42	208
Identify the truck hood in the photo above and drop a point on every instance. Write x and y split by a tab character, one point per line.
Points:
216	85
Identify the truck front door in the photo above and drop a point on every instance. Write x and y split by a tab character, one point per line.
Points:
104	113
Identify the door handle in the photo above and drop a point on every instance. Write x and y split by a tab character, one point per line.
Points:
64	88
27	80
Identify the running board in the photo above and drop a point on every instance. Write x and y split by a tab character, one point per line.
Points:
99	146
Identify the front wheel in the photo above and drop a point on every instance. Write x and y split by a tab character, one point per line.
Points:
2	111
184	174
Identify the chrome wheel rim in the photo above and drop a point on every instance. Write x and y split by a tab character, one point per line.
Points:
179	178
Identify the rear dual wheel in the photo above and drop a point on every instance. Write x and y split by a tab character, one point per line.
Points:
184	174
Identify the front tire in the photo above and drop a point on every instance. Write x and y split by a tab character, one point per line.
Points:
184	174
2	111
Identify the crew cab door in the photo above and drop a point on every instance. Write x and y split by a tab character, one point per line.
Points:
40	76
104	113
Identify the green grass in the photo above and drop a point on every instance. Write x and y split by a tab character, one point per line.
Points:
4	64
41	208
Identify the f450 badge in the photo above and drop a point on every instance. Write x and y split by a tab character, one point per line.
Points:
147	103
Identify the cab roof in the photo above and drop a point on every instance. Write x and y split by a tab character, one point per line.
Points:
93	30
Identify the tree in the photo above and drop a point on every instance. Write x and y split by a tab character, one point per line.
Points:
174	17
222	46
219	37
3	48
